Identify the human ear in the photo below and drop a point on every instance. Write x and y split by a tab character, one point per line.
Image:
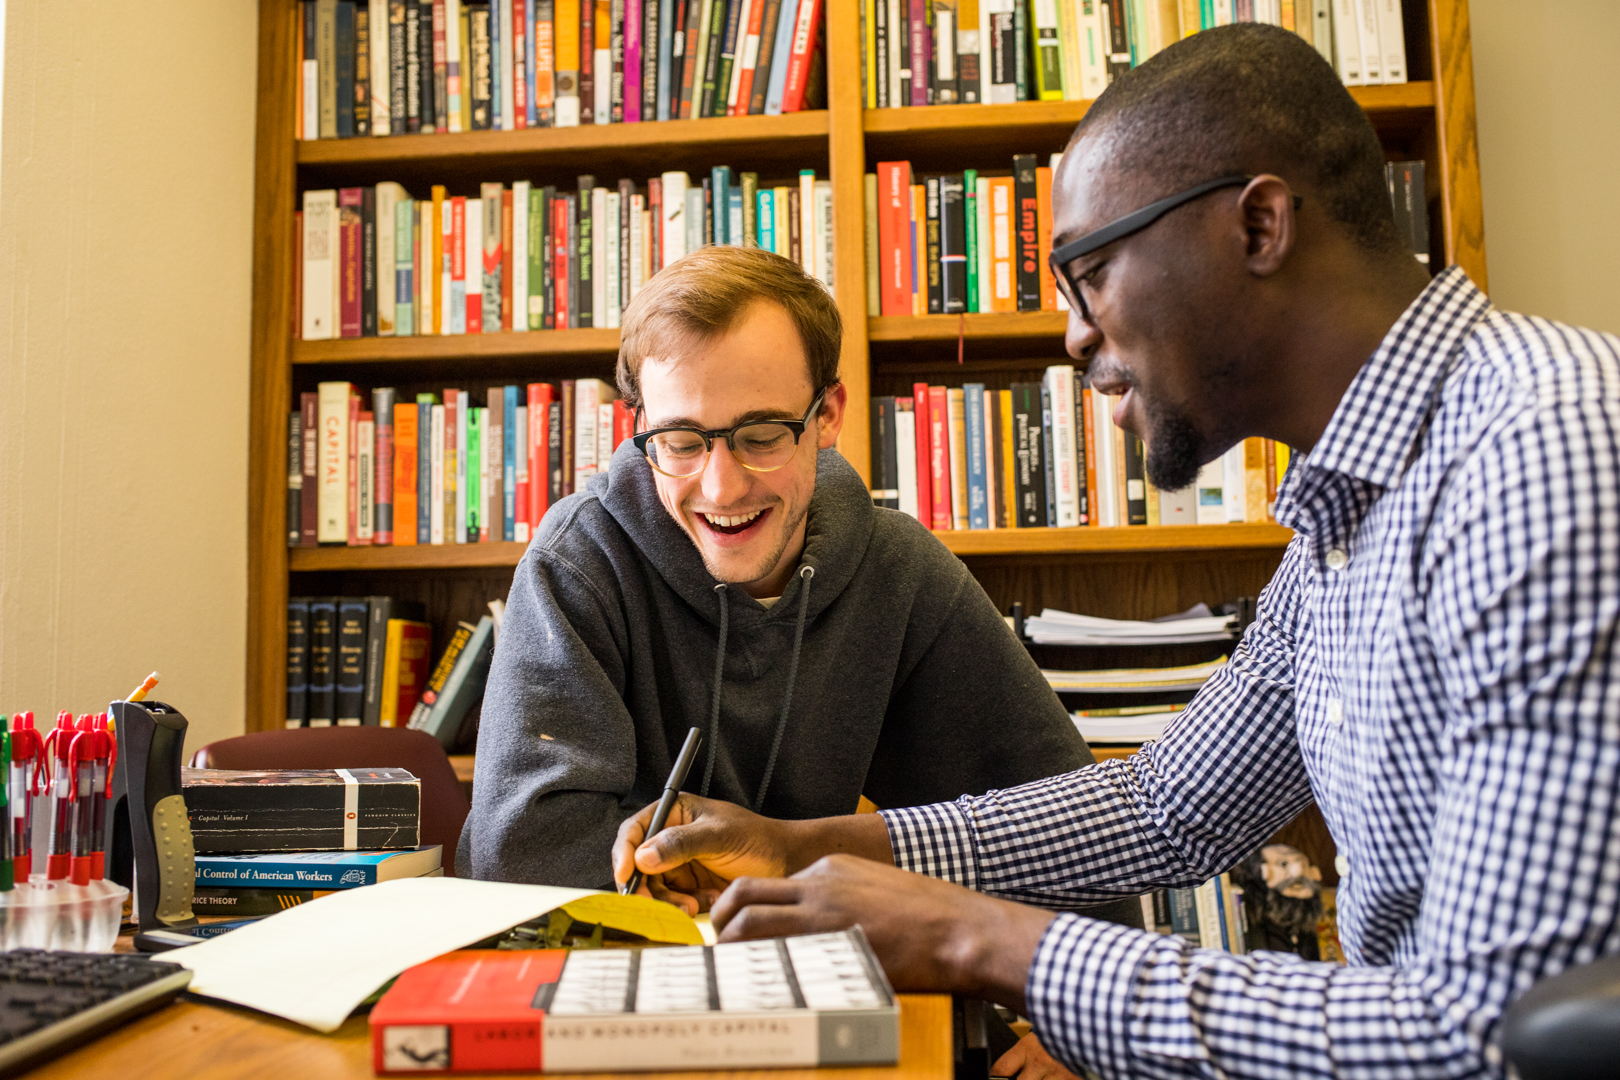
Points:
832	416
1267	209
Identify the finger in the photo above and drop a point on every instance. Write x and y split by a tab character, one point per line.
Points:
632	830
1013	1061
660	890
679	844
746	891
770	921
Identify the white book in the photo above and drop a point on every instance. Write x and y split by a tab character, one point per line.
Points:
899	52
602	90
446	234
824	232
462	411
1222	12
610	246
455	79
365	456
994	93
1060	384
520	255
1209	915
1054	161
1392	41
436	510
587	396
1232	483
1178	507
981	211
905	438
1347	43
332	497
507	72
807	221
638	241
675	185
604	435
1102	423
381	100
427	275
388	197
312	98
1093	48
602	223
320	250
1210	487
1322	28
732	88
1372	66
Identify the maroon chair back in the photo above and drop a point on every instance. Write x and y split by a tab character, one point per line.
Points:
444	804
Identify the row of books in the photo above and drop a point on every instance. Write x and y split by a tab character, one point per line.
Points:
396	67
1212	915
960	242
374	261
426	472
947	52
1046	453
363	660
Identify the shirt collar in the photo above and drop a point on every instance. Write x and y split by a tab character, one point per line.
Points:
1377	424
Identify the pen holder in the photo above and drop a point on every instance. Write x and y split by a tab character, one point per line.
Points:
41	914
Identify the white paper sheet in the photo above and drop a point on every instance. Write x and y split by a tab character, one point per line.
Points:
315	962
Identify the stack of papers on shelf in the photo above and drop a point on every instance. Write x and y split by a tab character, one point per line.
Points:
1053	627
1126	725
1133	680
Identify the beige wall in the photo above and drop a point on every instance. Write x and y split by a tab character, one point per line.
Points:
1547	81
126	185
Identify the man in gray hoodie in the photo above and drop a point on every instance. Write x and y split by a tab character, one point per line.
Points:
730	572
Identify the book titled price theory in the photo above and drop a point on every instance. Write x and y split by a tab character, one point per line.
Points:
782	1003
302	809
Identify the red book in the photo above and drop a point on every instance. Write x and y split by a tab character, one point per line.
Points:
541	395
894	235
559	259
354	468
939	459
309	498
481	1000
805	28
748	58
925	460
405	450
1091	456
415	648
506	251
383	482
520	64
624	425
350	238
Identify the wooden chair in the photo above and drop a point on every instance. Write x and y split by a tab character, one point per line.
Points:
444	803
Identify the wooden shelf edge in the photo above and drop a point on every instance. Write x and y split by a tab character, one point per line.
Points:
616	137
456	346
1130	539
1023	324
910	120
408	557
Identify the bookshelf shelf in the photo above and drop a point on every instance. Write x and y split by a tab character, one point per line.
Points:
1133	572
964	542
547	343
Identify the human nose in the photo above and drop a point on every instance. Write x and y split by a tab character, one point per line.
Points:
1081	338
724	480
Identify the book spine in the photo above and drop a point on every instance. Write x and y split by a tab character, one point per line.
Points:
222	871
1007	501
333	464
885	454
931	245
344	43
1060	386
804	39
406	452
1029	471
922	449
956	407
978	494
894	183
244	903
765	54
1085	475
309	491
1027	255
382	409
648	68
939	457
297	661
1047	457
398	67
295	476
379	611
351	661
363	55
322	661
953	245
1136	497
1043	239
777	84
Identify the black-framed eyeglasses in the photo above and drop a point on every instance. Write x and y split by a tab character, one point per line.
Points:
759	445
1063	259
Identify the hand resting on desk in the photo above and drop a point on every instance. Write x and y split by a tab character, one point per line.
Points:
929	935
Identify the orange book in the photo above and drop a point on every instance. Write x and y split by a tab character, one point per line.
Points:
919	249
405	449
1043	231
1003	279
433	282
1086	417
1254	481
405	669
894	236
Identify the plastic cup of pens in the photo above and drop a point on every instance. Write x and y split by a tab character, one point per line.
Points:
44	914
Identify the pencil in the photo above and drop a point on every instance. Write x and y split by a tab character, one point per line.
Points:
146	687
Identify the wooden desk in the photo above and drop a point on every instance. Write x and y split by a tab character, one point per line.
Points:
197	1041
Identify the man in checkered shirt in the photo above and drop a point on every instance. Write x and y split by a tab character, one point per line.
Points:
1436	662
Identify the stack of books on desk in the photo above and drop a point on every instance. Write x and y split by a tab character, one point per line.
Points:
1153	698
270	839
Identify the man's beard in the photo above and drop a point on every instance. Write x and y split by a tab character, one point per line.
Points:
1175	450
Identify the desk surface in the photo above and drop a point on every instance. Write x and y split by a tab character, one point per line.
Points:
200	1041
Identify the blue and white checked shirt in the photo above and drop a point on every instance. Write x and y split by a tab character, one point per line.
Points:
1437	662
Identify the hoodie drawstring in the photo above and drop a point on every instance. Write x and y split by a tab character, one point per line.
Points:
805	574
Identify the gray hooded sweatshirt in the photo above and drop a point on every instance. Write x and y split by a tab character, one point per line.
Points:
883	670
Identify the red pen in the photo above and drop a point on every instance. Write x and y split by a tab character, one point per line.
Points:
27	750
59	748
82	758
101	791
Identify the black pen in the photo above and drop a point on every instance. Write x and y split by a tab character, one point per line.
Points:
666	803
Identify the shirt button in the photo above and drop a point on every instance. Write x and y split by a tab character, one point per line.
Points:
1337	559
1335	712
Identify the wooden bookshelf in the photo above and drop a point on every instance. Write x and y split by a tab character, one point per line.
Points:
1133	572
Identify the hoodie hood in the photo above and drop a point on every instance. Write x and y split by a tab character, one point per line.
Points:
838	532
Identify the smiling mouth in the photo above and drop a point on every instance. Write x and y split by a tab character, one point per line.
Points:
732	524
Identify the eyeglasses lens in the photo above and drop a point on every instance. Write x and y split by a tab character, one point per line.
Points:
761	447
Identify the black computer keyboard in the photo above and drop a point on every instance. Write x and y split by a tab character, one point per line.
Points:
51	1002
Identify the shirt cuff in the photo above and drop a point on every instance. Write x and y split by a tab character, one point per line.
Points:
934	840
1081	991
